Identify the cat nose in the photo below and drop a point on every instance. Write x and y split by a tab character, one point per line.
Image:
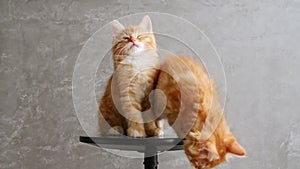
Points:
132	40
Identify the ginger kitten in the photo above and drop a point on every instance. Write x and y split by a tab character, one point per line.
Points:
127	91
205	145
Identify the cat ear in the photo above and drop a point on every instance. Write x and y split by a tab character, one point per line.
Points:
117	27
236	149
146	23
212	153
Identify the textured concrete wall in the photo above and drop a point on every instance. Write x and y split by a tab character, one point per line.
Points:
40	40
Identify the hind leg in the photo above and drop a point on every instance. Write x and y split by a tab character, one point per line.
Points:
110	121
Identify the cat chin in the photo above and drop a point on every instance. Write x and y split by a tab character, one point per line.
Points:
135	50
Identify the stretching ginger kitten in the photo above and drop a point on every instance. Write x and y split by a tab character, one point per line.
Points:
193	110
128	89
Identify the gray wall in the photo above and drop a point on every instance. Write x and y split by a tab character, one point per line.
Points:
40	40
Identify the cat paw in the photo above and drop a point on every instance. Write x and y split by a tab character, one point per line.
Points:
115	131
154	132
161	133
136	132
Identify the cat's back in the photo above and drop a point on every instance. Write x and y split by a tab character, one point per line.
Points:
183	78
186	70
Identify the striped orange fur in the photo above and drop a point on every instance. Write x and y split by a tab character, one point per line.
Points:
200	111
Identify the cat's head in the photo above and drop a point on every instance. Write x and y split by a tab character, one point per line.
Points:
134	38
210	153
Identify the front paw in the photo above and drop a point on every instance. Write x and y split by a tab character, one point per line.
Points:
154	132
136	132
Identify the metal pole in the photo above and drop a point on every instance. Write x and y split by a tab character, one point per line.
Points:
150	160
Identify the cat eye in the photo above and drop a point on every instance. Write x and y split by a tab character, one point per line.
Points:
125	37
139	36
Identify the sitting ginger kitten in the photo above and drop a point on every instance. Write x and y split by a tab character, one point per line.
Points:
125	99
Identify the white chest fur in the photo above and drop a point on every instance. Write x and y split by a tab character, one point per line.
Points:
141	60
